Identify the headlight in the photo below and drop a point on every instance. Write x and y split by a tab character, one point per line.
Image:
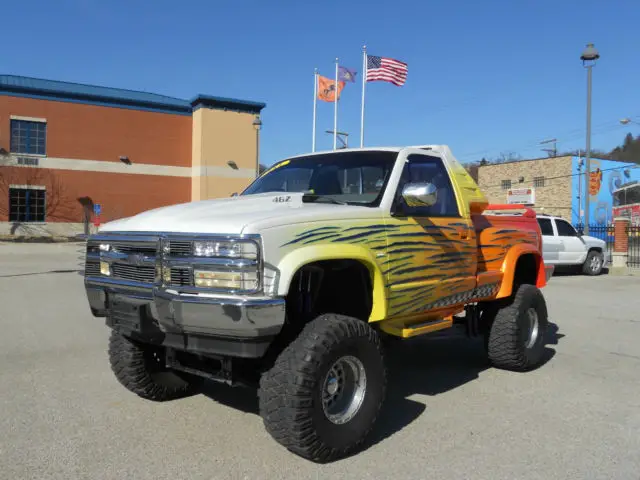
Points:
235	249
105	268
226	280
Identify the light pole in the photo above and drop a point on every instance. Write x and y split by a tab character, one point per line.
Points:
588	57
339	135
627	121
257	123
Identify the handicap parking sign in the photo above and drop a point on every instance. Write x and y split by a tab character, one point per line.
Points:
97	208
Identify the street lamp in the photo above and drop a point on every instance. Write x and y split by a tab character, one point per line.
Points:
257	123
339	135
627	121
588	57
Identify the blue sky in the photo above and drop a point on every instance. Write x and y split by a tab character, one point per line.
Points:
484	77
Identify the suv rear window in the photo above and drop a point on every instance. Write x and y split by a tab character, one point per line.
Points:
545	226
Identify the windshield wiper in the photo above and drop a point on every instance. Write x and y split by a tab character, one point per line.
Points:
311	197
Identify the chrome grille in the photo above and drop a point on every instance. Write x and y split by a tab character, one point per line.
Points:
145	248
180	248
92	268
134	273
181	276
133	257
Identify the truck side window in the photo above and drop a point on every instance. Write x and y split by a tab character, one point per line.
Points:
565	229
545	226
421	169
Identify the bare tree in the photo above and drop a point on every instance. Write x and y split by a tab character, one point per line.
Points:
505	157
57	205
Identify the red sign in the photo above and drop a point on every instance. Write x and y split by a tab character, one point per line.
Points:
632	212
96	220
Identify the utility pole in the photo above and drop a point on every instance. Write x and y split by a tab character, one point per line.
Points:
553	151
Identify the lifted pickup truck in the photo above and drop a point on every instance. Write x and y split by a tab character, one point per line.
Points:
296	284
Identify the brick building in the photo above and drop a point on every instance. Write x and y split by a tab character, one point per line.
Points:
66	147
557	185
549	179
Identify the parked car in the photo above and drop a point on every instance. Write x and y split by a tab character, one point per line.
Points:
562	245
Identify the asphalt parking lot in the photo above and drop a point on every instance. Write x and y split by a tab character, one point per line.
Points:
63	415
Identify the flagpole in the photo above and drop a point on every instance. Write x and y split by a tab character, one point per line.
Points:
315	103
335	110
364	82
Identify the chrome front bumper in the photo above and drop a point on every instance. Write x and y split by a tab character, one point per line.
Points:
240	326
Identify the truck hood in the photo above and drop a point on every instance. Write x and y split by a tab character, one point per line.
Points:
593	241
234	215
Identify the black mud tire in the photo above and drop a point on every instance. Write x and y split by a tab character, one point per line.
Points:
290	394
510	330
140	368
592	265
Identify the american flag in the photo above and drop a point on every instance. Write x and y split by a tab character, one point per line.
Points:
386	70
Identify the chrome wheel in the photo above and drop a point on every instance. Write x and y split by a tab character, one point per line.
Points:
595	263
344	389
534	327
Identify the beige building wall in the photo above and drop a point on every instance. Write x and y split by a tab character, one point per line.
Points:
222	136
553	198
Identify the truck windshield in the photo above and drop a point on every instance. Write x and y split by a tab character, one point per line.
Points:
351	177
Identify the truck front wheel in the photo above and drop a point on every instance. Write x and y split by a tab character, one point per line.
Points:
516	336
141	369
323	395
593	264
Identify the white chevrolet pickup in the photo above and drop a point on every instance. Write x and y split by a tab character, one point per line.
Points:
296	284
563	246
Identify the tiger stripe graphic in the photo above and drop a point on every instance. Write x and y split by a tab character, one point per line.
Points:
426	265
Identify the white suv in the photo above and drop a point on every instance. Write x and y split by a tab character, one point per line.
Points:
562	245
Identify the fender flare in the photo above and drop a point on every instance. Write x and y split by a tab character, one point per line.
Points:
293	261
509	263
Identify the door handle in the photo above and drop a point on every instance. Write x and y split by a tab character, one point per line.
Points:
465	233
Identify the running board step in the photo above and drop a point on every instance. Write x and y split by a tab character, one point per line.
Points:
408	330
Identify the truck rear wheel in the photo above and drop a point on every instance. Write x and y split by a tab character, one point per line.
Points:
516	337
141	369
323	395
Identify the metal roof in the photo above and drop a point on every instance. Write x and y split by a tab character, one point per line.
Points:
117	97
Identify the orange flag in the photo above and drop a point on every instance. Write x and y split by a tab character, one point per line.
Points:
327	87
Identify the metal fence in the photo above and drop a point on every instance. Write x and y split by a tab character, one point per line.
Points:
603	232
633	257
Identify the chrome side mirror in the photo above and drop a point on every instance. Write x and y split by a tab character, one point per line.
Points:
420	194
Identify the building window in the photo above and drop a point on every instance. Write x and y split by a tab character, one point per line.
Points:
506	184
28	137
27	204
30	161
538	182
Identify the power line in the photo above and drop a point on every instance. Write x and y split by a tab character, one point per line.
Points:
569	135
535	143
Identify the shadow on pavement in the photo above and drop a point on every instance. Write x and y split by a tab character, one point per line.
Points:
421	366
41	273
572	271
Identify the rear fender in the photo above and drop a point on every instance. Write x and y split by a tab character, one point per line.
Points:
300	257
510	263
